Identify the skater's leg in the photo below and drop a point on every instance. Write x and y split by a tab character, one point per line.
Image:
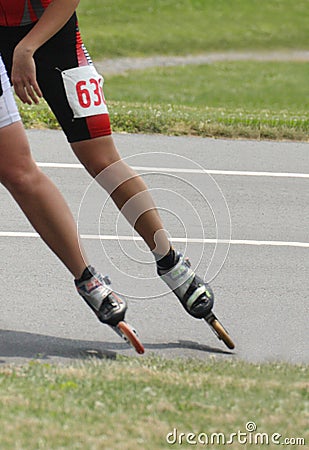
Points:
91	140
39	199
127	189
47	211
33	191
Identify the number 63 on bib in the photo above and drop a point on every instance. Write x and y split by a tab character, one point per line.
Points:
84	90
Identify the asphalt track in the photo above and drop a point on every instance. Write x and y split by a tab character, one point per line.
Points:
259	267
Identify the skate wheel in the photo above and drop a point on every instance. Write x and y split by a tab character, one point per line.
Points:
222	334
131	336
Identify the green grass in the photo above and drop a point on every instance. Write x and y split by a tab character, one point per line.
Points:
186	121
235	100
249	85
145	27
134	403
209	122
246	99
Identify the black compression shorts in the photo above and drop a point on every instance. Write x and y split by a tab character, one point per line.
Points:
63	51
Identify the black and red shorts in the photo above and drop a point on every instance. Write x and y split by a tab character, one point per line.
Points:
65	50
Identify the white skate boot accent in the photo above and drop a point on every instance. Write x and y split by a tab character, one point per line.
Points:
180	278
94	290
96	297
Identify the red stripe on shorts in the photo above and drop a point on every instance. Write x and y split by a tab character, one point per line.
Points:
80	51
99	125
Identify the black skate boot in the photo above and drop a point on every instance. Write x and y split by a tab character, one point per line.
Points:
195	295
109	308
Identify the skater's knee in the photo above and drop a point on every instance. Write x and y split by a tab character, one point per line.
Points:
20	178
97	155
99	166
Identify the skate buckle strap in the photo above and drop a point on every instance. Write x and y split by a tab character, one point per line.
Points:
94	296
92	284
195	295
178	272
179	278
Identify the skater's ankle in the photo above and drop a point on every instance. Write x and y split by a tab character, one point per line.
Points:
167	261
86	275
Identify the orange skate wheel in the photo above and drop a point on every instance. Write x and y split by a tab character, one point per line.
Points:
130	334
222	334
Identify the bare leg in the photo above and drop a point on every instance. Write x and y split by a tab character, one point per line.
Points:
127	189
38	198
129	192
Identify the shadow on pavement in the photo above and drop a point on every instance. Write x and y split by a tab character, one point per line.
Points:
20	344
189	345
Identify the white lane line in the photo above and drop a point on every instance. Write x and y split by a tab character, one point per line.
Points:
223	172
60	165
108	237
179	170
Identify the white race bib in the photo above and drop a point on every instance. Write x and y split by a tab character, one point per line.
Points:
84	89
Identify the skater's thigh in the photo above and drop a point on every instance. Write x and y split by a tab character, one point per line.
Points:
14	148
15	155
62	52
